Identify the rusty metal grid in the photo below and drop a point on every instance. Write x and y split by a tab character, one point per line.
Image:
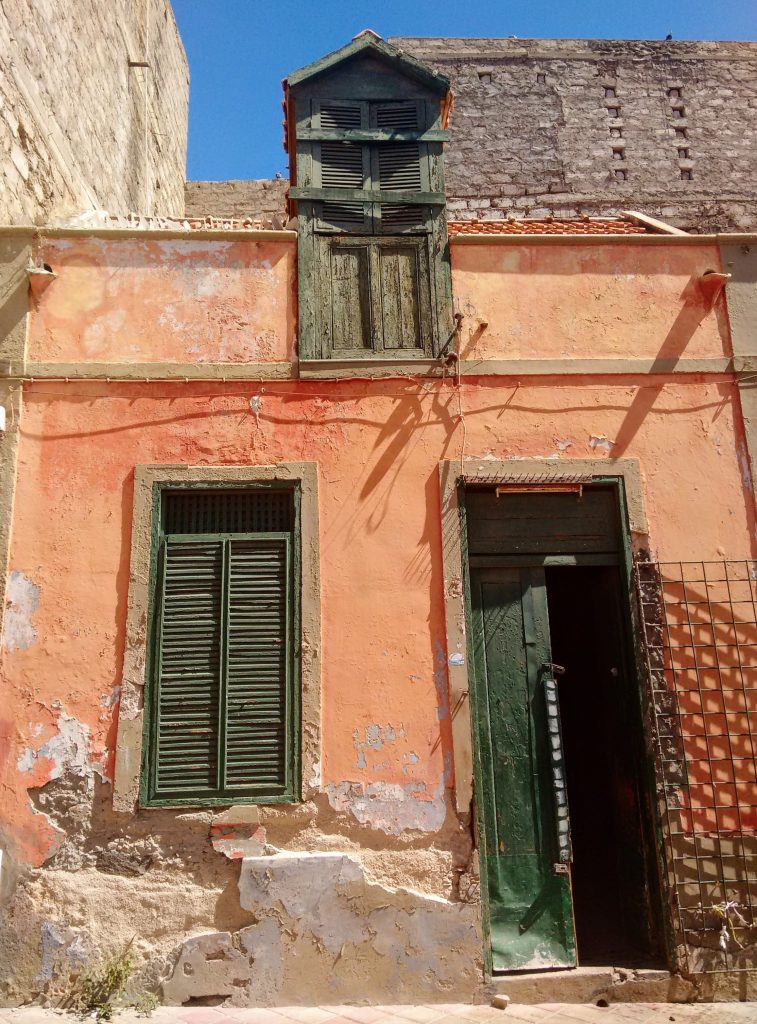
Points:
700	633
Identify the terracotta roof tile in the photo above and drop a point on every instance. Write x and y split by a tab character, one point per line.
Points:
574	226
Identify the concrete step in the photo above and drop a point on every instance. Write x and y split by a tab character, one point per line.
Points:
594	984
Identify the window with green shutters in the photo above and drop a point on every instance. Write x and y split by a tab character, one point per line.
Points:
222	698
373	252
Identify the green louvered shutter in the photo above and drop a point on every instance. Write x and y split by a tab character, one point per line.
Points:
189	668
224	706
343	164
257	712
399	166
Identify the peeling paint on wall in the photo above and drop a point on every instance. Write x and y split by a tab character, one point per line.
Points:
22	601
440	681
374	738
389	807
68	750
58	940
327	933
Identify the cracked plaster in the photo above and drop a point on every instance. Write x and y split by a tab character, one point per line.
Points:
326	933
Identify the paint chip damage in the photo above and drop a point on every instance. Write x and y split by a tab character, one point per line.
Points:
21	602
318	916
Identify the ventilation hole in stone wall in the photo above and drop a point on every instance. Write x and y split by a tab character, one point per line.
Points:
621	175
618	154
681	133
541	78
686	174
616	133
674	94
613	111
684	154
485	77
679	112
610	93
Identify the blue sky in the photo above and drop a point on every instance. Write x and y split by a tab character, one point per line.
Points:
239	51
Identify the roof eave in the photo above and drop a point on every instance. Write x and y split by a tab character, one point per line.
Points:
404	63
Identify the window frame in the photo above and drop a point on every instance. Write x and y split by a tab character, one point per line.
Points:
147	773
369	93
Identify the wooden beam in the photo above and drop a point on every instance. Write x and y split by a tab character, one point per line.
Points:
357	195
370	135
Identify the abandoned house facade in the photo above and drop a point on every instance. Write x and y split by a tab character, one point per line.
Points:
380	598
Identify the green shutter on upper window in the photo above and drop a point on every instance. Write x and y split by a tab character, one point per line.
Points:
224	700
343	164
398	166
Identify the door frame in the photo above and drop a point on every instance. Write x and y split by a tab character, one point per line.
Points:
625	476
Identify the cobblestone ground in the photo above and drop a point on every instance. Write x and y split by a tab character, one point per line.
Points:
454	1013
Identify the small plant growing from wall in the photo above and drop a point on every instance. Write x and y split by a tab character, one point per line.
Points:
98	988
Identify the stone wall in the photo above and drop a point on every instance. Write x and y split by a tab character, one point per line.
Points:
255	200
81	129
572	127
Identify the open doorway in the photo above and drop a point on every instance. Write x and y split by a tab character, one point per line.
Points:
613	892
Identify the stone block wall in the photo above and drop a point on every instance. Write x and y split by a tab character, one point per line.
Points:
545	127
263	200
81	129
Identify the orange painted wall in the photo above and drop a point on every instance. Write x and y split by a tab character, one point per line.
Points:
562	301
188	300
378	446
208	301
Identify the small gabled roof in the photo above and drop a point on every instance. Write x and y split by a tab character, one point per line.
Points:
369	41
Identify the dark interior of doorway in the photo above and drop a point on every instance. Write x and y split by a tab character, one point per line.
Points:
613	900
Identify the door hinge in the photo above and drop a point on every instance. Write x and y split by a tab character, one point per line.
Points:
558	670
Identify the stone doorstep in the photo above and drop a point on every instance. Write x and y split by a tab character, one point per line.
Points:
590	984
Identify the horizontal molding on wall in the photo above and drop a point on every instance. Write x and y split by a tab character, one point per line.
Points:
263	234
346	369
593	367
167	234
151	371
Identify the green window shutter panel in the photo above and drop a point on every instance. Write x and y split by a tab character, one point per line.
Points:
399	165
340	115
257	711
189	667
397	116
224	704
402	280
343	164
347	269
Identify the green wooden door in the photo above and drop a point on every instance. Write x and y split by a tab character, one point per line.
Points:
523	798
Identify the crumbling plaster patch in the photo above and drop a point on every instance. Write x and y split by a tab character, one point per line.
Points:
63	915
68	750
390	807
21	602
327	933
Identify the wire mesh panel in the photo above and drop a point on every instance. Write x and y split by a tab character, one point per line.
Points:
700	630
